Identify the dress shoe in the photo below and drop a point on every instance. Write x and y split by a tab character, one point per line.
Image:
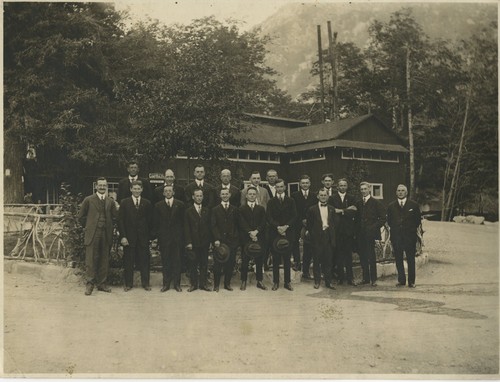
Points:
147	287
127	288
88	289
178	288
275	286
352	283
164	288
261	285
104	288
205	288
374	284
411	286
330	286
228	287
243	285
192	288
288	286
400	285
216	289
316	285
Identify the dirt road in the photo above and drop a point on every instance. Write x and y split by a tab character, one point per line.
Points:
449	324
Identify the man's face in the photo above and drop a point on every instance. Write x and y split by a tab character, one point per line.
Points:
168	192
136	190
169	177
272	177
251	195
280	187
323	196
225	177
225	195
365	190
102	186
327	182
342	186
255	179
401	192
199	173
305	184
133	169
198	196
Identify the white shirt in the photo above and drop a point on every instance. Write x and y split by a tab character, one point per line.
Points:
169	201
366	198
198	208
273	190
402	201
342	196
136	200
199	183
101	196
225	186
132	178
251	204
225	204
329	191
323	211
305	193
281	197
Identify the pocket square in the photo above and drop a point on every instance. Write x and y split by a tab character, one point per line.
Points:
410	210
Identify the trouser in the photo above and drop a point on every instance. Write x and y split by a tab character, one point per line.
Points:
276	266
409	249
307	256
323	259
139	255
97	258
306	253
258	265
200	263
226	268
344	257
366	247
171	265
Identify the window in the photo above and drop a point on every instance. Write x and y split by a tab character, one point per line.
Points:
377	190
370	155
307	156
252	156
292	187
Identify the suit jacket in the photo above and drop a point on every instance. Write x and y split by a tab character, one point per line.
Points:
135	224
158	194
262	197
168	223
302	205
225	225
404	222
197	228
280	213
345	222
208	194
249	220
89	215
370	217
235	198
315	225
124	189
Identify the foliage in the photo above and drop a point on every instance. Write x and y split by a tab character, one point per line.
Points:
72	233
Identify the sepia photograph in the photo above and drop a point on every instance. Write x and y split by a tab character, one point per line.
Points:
236	189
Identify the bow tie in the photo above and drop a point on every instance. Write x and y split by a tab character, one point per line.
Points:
324	205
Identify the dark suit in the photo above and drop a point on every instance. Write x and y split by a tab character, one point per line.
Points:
268	188
197	233
168	223
370	217
344	230
208	194
302	205
404	222
135	225
250	220
158	194
235	197
280	213
124	189
224	225
97	217
323	242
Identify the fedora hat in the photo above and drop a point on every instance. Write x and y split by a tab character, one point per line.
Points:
281	245
221	253
253	249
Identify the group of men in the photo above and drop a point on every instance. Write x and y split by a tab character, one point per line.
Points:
258	220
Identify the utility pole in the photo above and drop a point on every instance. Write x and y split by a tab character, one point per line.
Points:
332	41
320	57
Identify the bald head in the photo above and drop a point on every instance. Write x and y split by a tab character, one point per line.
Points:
169	176
225	176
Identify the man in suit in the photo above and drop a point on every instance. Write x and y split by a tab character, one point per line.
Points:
169	180
252	225
304	199
404	218
200	184
327	181
224	223
272	178
125	184
197	237
262	194
370	217
96	217
134	224
168	223
321	226
235	195
281	217
345	213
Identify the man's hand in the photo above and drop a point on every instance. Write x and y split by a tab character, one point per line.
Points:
189	246
352	208
124	241
217	243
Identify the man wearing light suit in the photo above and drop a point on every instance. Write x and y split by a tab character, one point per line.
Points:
96	217
262	194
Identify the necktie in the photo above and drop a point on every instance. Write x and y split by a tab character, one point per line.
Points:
136	203
324	205
251	206
364	199
226	206
305	194
402	204
198	207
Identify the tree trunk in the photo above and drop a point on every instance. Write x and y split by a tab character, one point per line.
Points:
13	171
320	62
410	127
